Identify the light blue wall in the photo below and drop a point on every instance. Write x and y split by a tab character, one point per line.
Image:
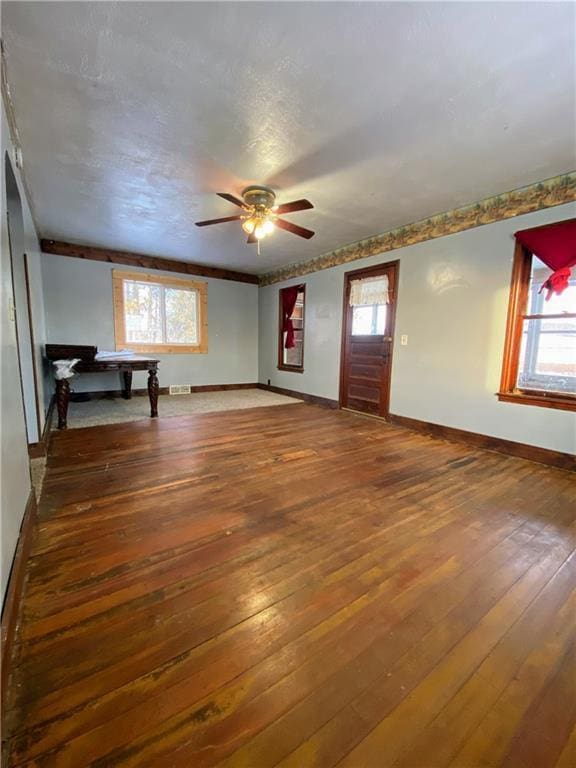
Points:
452	304
15	485
79	310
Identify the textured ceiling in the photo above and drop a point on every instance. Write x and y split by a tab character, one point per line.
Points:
132	115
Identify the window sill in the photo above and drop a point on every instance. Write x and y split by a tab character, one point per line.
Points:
290	369
565	403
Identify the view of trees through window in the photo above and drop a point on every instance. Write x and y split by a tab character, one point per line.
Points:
158	314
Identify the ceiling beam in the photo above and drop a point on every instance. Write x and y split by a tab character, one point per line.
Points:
148	262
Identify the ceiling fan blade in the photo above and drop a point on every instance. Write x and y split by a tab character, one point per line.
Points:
231	199
295	205
294	228
217	221
252	238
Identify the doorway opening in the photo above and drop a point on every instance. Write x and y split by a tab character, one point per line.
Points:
367	338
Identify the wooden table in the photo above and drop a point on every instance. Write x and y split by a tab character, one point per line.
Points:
123	365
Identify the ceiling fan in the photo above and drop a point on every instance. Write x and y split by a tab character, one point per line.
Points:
261	214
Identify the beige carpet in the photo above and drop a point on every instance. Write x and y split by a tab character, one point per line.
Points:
117	410
38	470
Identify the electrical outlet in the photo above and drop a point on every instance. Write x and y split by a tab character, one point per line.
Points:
404	340
11	310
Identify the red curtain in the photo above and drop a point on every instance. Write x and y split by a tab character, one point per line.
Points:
555	245
289	296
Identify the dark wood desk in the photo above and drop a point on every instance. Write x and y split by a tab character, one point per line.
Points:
125	366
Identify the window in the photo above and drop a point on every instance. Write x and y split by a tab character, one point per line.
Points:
369	302
540	352
159	314
291	329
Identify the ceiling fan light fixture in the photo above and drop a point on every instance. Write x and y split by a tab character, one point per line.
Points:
260	230
259	224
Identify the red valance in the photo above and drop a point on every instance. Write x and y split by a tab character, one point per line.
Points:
289	296
555	245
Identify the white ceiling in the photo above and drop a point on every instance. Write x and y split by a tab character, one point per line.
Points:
133	115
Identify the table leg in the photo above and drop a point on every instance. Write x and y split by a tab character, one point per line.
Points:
127	390
62	399
153	387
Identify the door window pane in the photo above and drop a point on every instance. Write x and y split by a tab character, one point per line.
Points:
381	311
369	320
361	321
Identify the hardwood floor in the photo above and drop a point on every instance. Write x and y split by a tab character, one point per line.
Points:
298	587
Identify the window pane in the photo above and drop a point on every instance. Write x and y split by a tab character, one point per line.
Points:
369	320
142	312
537	304
361	321
548	355
181	316
381	319
295	355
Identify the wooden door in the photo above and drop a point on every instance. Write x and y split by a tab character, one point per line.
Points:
367	335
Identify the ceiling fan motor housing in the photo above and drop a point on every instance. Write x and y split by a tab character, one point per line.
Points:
259	196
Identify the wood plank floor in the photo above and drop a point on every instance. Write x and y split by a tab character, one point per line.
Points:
294	586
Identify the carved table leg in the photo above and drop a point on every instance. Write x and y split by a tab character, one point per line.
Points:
127	390
153	387
62	398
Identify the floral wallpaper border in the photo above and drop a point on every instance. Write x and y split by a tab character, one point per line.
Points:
544	194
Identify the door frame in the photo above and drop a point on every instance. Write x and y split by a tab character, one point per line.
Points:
16	334
346	315
22	302
33	346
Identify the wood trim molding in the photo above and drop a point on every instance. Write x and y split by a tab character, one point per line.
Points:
32	341
143	392
15	590
550	400
519	287
175	282
325	402
489	443
201	288
544	194
36	450
77	251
